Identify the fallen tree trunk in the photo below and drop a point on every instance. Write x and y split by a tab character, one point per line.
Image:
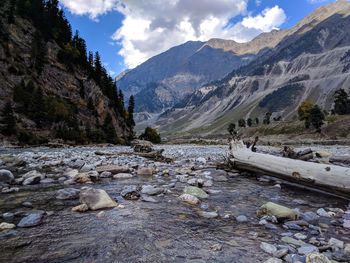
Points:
330	178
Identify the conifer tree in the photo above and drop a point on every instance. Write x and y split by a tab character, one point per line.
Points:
8	121
131	108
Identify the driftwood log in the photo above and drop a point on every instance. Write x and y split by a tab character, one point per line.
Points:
330	178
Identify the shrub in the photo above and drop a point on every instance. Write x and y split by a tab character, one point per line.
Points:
151	135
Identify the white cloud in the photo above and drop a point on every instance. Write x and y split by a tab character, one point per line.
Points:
152	27
93	8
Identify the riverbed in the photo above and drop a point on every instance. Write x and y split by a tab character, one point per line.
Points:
164	229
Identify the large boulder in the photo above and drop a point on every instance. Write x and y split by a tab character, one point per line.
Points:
279	211
6	177
195	191
96	199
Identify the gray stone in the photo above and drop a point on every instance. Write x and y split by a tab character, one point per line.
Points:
27	204
195	191
33	219
123	176
6	226
47	181
68	193
87	168
280	253
268	248
322	212
307	249
96	199
148	199
273	260
292	241
190	199
145	171
208	215
151	190
6	177
310	217
130	192
113	169
336	244
8	217
241	219
105	174
317	258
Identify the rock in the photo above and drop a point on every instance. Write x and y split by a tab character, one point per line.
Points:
292	241
201	160
322	212
142	146
6	226
27	204
68	193
208	215
310	217
190	199
280	253
145	171
347	249
300	236
87	168
216	247
268	248
346	224
220	178
123	176
195	191
149	199
71	173
113	169
182	177
80	208
273	260
96	199
307	249
317	258
323	154
151	190
105	174
47	181
130	193
208	183
32	177
294	258
292	226
82	178
7	190
241	219
8	217
336	244
279	211
6	177
33	219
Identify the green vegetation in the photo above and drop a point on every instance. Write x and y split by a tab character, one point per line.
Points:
274	102
267	118
241	123
151	135
317	117
232	129
8	121
249	122
341	102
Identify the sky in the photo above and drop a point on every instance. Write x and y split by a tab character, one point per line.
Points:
128	32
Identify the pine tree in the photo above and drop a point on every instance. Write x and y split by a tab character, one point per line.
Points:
257	121
341	102
232	129
316	118
249	122
8	121
267	118
98	68
131	108
109	130
241	123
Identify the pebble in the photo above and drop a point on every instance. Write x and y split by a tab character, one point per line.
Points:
27	204
241	219
268	248
6	176
6	226
208	215
8	217
123	176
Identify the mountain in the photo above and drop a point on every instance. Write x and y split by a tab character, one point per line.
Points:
162	81
50	88
309	61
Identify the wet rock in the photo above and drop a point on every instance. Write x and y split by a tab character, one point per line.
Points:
307	249
123	176
195	191
8	217
151	190
105	174
96	199
322	212
317	258
130	192
148	199
280	253
241	219
310	217
190	199
336	244
113	169
6	226
80	208
145	171
273	260
292	241
279	211
33	219
6	176
68	193
208	215
268	248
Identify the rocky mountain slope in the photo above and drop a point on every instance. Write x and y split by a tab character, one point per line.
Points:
54	92
310	61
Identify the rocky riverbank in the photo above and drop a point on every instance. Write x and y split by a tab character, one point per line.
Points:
93	204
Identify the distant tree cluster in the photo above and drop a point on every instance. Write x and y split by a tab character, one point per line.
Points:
151	135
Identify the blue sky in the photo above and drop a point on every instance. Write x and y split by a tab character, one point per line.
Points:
146	29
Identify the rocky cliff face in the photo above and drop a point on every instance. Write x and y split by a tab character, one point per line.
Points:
311	61
71	93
